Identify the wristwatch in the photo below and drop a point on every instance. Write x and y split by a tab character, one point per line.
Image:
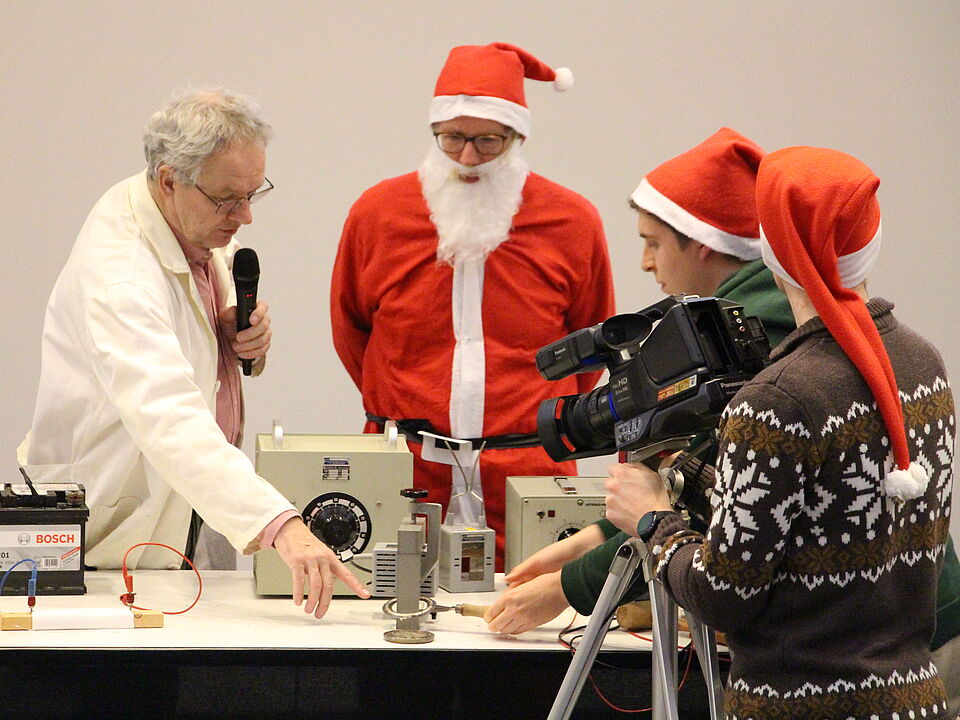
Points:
647	524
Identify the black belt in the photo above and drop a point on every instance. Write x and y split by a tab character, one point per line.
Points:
411	430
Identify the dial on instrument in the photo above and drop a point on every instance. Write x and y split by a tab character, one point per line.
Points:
340	521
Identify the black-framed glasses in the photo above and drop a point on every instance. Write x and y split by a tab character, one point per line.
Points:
483	144
225	207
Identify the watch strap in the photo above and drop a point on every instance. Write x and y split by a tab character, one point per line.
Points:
647	525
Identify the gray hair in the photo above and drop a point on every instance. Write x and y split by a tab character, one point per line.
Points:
194	124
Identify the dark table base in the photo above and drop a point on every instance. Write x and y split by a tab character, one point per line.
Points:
341	684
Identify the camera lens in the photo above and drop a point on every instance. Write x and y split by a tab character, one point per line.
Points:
589	420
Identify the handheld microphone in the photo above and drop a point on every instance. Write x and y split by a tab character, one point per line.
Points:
246	275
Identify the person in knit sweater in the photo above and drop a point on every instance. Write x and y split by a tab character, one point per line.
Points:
830	515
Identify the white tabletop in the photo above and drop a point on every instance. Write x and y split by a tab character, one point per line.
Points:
231	616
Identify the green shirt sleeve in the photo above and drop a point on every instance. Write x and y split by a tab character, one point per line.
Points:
607	528
948	598
582	579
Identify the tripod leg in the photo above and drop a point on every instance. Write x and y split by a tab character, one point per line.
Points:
705	641
621	574
664	652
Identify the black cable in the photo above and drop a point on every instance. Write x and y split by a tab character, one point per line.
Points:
357	565
26	479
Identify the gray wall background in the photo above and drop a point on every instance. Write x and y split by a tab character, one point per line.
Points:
346	86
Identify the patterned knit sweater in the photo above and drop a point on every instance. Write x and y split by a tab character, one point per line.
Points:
825	587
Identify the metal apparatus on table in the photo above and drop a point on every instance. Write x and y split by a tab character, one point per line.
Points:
429	606
631	555
347	489
418	544
467	555
467	545
541	510
385	573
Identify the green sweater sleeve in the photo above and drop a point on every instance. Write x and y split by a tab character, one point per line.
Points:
948	598
582	579
607	528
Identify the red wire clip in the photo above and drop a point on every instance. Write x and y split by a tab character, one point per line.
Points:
127	597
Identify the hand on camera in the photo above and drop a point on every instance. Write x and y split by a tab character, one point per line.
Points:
632	492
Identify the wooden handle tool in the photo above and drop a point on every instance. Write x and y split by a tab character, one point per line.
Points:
468	610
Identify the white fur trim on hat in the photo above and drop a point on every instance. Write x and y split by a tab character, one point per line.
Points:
563	80
853	268
448	107
906	484
653	201
770	260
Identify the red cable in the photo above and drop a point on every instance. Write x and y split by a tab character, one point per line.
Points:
608	703
127	597
596	688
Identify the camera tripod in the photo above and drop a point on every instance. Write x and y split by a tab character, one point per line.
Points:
629	557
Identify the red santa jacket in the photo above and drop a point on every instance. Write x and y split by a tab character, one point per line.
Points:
393	328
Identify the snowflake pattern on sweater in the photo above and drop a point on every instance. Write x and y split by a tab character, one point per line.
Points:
825	586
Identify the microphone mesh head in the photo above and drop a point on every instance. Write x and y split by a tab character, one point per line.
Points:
246	266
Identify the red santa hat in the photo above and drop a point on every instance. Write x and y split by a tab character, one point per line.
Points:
486	81
708	194
820	231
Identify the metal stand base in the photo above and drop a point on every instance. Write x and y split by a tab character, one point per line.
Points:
664	652
408	637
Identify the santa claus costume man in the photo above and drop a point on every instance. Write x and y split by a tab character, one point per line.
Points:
449	279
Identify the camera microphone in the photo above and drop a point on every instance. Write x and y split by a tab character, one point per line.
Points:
246	275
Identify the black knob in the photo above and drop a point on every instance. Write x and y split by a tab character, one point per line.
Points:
414	493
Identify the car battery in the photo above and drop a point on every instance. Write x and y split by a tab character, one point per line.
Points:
45	523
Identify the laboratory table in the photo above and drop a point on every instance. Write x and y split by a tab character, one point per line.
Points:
239	655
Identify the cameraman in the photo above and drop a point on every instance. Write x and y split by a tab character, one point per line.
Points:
833	479
698	220
572	571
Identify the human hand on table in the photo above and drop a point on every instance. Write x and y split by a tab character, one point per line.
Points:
527	605
313	566
555	555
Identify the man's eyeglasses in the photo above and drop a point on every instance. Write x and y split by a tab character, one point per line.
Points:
483	144
225	207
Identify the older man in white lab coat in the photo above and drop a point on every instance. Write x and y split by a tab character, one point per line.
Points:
139	396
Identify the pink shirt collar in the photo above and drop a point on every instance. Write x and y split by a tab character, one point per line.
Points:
195	255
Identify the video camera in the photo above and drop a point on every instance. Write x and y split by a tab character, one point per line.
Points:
668	380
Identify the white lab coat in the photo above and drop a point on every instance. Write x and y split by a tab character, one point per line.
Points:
128	380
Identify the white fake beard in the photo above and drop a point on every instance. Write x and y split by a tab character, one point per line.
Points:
472	219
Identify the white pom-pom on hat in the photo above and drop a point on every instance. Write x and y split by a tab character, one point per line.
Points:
906	484
811	240
563	80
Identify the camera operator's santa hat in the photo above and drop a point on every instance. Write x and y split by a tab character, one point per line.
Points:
709	194
486	81
820	232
